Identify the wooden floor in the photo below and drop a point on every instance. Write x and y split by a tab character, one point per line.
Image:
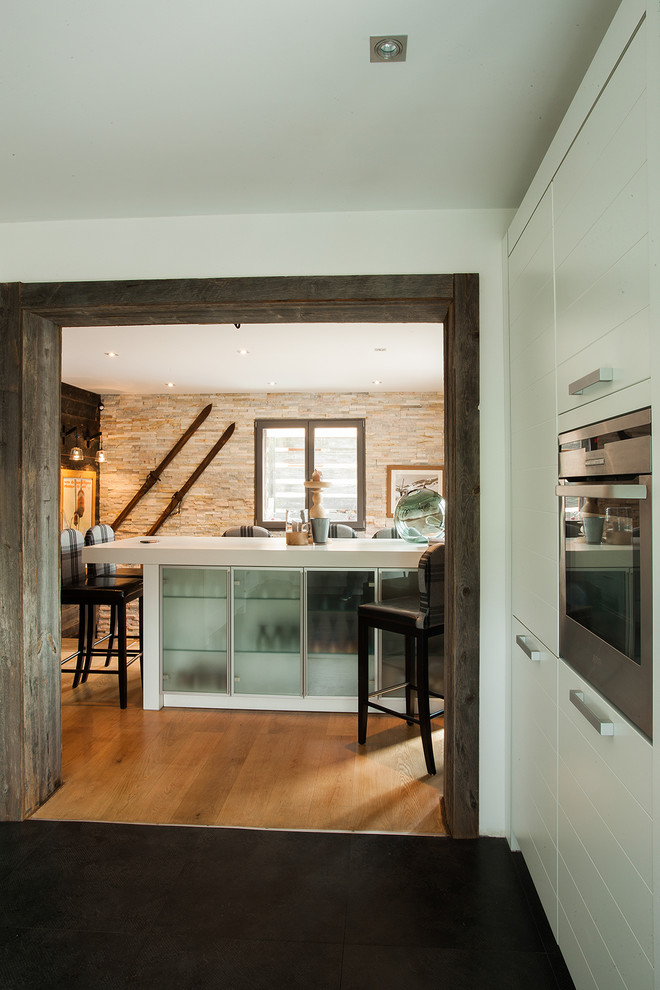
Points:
251	769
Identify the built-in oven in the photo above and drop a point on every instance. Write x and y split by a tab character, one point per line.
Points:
605	628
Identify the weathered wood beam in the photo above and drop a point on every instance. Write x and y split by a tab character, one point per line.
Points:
30	716
355	298
461	791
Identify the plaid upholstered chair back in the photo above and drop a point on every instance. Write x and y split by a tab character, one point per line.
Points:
257	531
431	579
338	531
100	534
73	569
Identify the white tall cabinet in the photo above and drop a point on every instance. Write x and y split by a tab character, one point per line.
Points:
579	308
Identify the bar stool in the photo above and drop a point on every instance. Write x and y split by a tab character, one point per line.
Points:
88	592
417	619
102	533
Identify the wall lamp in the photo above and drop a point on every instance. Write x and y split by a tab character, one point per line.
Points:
76	453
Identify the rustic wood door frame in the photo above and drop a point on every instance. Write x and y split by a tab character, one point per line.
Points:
451	299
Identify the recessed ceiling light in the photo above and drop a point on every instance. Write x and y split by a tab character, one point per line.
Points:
111	354
243	351
376	381
380	349
170	384
388	48
271	383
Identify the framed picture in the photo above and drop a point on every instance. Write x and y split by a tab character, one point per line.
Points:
77	499
400	477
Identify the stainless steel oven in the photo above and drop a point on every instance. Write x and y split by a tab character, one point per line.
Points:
605	629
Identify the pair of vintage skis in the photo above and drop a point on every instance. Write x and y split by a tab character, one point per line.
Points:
154	475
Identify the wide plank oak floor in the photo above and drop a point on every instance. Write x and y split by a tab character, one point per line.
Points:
284	770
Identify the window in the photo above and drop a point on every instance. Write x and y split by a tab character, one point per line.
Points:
287	451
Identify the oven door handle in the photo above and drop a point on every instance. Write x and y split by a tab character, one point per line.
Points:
602	491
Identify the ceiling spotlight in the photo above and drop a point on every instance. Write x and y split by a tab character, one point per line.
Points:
237	325
243	351
111	354
170	384
376	381
271	383
388	48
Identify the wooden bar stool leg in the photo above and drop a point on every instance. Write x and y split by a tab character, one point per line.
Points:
121	655
80	658
363	678
423	704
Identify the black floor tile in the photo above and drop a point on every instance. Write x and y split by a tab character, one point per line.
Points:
184	960
55	959
19	841
393	967
437	893
248	884
109	906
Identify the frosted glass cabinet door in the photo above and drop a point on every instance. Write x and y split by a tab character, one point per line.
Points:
333	598
267	632
194	634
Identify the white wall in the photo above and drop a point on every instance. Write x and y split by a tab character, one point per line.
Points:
328	244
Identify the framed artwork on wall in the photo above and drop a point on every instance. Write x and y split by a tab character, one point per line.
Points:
77	499
401	477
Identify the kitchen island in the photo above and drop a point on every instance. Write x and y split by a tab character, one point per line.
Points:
246	623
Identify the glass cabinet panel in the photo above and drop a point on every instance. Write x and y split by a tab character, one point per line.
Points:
267	632
194	630
333	598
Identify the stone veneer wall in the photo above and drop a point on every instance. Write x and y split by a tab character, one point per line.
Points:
401	428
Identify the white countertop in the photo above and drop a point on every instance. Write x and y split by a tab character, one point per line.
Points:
226	551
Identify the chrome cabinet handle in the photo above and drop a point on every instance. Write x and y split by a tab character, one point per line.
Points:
602	725
593	378
521	641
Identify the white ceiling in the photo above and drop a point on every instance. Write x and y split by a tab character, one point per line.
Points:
323	357
143	108
159	108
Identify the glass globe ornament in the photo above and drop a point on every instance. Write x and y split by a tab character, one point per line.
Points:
419	516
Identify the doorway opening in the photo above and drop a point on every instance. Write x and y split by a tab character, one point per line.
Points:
40	310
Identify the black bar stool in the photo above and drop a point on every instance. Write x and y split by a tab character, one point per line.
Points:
114	590
102	533
417	619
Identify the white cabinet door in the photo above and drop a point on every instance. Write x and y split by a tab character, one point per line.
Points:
600	206
604	842
534	427
534	762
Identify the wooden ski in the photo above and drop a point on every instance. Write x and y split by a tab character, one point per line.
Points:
178	496
154	475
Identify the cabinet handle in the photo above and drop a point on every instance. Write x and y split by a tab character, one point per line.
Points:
638	492
599	375
521	641
602	725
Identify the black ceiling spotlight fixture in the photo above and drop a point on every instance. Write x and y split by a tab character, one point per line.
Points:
388	47
237	325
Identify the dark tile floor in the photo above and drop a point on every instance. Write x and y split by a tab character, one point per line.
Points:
86	905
